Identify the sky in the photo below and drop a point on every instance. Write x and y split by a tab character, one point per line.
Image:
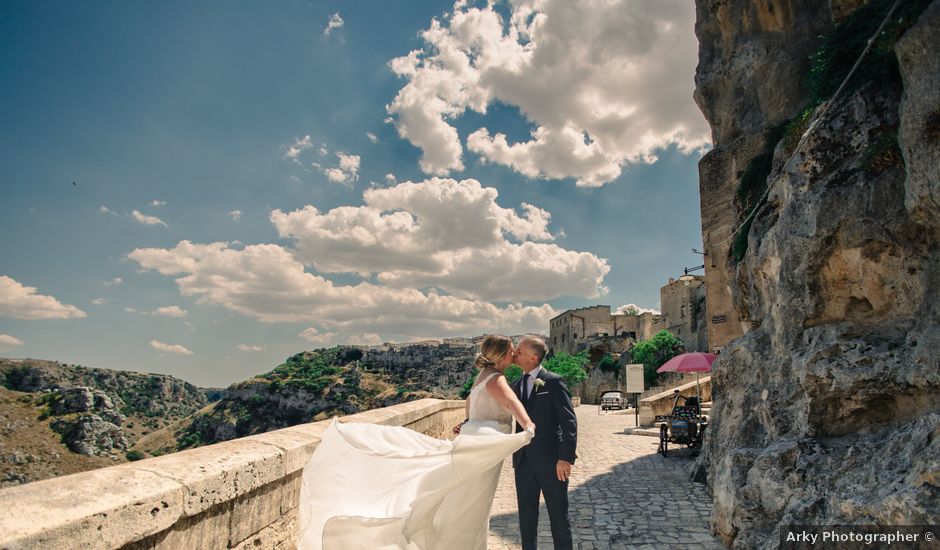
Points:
203	190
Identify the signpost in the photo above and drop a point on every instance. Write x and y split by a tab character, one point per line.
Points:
635	386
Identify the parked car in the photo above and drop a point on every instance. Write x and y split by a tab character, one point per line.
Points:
613	400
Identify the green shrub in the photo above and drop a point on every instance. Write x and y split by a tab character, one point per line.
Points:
134	455
608	364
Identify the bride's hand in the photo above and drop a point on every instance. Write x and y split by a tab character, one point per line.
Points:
530	427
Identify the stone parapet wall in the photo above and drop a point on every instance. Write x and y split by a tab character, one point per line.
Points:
237	494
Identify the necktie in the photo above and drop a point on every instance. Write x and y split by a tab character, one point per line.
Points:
525	387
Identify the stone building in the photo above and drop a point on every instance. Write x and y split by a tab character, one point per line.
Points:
573	327
684	312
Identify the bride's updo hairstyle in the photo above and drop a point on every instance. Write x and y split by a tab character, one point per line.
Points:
494	348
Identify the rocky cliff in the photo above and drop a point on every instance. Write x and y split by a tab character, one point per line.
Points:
315	385
58	419
825	411
132	393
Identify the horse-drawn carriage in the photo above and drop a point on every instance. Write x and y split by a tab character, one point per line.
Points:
684	426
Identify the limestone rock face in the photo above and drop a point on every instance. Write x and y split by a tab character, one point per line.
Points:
82	399
752	58
90	435
825	412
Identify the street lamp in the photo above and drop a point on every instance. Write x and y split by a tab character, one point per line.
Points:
685	277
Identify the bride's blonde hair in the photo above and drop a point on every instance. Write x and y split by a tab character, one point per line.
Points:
494	348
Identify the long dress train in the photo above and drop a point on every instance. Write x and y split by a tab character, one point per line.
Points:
374	487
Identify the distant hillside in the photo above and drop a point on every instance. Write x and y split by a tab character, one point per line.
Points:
57	419
134	393
63	418
315	385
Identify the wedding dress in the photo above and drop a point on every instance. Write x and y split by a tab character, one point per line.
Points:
374	487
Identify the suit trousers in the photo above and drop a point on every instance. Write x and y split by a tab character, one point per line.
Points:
529	484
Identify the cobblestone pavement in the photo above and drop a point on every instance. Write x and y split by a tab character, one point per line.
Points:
622	494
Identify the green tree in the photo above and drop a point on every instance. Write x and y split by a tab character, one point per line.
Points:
569	367
653	353
630	310
608	363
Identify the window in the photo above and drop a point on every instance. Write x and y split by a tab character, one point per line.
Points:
562	338
573	337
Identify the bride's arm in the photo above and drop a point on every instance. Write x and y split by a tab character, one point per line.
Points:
499	389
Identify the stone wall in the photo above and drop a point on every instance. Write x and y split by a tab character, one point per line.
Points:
826	410
568	331
237	494
684	311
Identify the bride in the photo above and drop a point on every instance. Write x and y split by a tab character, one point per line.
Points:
375	487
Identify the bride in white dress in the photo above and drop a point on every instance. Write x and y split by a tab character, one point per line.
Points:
374	487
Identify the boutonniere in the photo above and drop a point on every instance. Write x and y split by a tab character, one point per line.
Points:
538	382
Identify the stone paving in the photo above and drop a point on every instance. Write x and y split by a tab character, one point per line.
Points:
622	494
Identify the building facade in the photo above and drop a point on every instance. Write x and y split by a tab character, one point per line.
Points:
684	311
573	327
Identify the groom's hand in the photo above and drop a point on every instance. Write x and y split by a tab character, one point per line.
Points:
563	469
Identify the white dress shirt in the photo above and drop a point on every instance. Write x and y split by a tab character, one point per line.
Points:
532	376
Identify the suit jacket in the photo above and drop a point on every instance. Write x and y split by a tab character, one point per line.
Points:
556	426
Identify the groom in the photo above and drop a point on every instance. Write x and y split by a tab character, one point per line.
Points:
544	465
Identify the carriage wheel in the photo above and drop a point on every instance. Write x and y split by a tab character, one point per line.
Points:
663	439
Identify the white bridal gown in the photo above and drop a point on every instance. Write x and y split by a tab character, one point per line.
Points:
374	487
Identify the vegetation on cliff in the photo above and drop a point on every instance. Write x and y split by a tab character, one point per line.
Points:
308	386
653	353
830	64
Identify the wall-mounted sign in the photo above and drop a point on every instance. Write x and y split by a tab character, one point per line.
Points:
718	319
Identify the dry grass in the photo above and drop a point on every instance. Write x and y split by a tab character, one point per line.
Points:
30	450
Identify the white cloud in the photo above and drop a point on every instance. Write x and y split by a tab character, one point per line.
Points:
114	281
336	22
372	137
171	348
236	215
22	302
246	347
266	282
170	311
390	178
335	339
298	147
313	335
604	83
130	310
99	301
635	308
105	210
10	342
323	151
346	172
147	220
157	203
448	234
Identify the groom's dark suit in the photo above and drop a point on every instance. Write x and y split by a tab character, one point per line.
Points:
556	434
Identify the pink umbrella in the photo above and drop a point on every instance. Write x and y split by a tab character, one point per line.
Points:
690	362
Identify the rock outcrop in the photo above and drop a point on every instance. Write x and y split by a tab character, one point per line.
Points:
826	410
90	435
133	393
89	422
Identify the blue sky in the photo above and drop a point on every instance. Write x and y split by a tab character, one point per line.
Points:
253	180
